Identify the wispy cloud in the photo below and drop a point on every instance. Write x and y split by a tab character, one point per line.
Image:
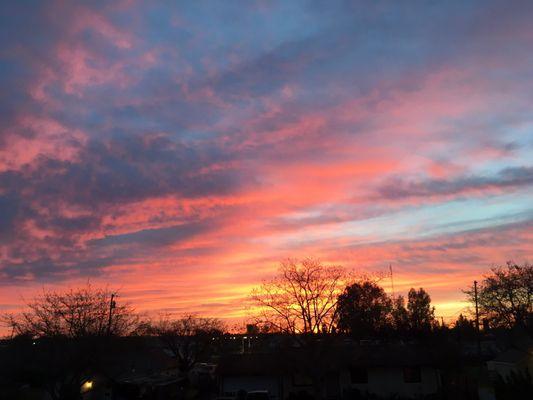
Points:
158	146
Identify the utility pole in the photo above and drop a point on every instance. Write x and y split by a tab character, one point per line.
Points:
477	320
112	305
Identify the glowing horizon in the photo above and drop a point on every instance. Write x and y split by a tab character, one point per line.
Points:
179	153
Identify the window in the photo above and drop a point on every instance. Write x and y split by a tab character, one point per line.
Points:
412	375
359	375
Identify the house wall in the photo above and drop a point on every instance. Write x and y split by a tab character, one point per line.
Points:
504	369
232	384
329	386
28	393
389	381
386	381
289	387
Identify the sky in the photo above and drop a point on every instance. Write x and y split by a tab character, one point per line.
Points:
177	151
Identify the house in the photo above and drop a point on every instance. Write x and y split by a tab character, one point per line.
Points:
97	368
511	361
392	370
131	368
250	372
333	372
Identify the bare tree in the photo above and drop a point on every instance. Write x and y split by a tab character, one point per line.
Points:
81	312
505	295
188	338
61	337
302	298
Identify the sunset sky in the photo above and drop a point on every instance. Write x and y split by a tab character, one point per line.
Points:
178	153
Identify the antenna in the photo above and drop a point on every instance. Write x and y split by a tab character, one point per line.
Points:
391	279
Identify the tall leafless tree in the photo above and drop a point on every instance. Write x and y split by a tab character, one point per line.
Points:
302	297
61	337
81	312
188	338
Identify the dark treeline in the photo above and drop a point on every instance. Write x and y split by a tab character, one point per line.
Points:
62	337
305	297
308	297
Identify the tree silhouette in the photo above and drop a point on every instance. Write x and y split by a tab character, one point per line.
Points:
400	316
62	336
464	328
505	295
188	338
420	313
364	309
75	313
302	298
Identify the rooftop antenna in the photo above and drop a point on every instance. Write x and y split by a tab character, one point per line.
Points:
391	280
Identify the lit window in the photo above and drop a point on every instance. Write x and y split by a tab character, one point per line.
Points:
87	385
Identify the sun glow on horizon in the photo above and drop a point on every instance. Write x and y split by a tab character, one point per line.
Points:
157	149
